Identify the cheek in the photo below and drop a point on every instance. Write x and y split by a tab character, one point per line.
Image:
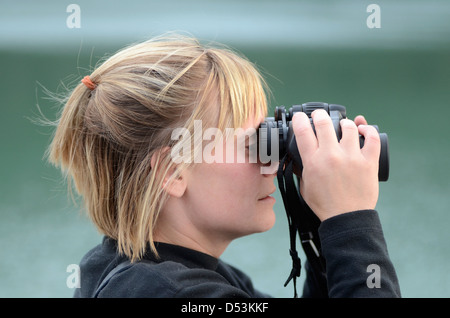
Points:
228	187
225	200
233	180
242	177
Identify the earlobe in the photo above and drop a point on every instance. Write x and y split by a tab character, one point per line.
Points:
174	181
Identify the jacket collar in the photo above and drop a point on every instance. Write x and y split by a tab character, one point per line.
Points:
179	254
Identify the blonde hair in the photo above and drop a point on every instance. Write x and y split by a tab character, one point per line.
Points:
105	138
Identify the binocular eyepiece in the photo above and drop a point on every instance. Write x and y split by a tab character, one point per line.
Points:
282	122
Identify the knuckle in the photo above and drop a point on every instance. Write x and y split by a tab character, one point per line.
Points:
321	118
348	124
371	131
321	121
357	164
301	130
301	124
373	137
334	159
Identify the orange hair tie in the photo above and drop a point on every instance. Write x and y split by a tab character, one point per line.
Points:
89	84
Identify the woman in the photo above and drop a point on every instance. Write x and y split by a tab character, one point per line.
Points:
166	222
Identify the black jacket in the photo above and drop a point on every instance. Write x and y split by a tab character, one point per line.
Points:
350	243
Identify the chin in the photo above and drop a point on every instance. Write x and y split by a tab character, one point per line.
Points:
266	220
261	220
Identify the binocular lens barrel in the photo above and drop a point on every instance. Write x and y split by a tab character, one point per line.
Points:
287	144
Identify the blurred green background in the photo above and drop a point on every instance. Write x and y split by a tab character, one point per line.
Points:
398	76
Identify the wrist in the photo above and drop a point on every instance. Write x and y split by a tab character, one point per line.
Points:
327	214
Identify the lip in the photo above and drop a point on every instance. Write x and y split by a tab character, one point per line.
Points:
268	196
269	200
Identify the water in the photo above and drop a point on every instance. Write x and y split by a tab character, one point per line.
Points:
403	86
405	93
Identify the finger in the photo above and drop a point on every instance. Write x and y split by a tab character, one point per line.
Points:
372	143
304	134
360	120
326	136
350	135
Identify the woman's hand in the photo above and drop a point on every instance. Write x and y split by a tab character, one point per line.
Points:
337	177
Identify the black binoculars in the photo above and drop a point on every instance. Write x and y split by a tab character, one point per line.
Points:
282	122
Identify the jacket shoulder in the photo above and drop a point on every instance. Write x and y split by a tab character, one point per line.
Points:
167	280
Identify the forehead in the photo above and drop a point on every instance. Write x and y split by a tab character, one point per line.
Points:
248	130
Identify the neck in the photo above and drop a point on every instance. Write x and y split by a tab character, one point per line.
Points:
205	245
174	227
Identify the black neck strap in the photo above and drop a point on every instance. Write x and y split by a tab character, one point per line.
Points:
301	221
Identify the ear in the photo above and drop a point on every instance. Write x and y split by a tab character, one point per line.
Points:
174	182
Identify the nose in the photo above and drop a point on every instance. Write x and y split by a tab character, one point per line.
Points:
269	169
